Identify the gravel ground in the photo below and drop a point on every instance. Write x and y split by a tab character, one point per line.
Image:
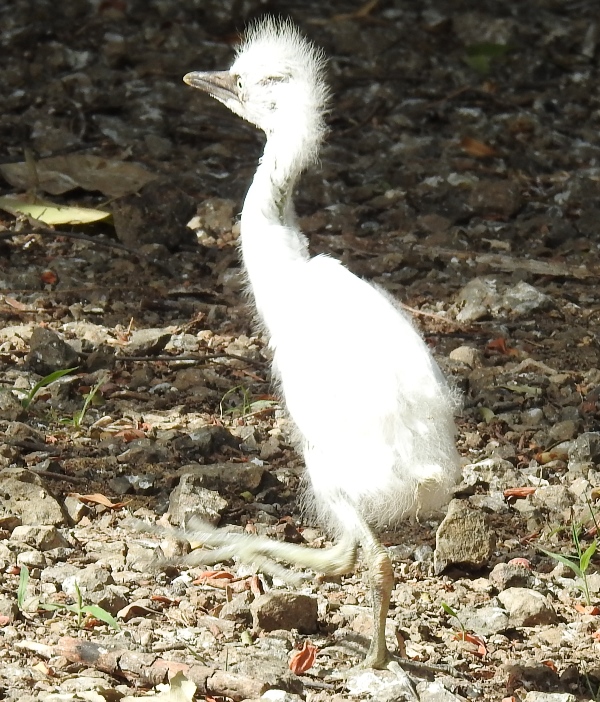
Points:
461	173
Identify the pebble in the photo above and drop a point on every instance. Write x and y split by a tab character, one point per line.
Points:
238	609
463	538
527	607
11	408
533	696
42	538
48	352
466	354
285	610
147	342
485	297
190	500
555	498
24	497
510	575
484	621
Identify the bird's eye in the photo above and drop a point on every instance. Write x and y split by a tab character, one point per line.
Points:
240	83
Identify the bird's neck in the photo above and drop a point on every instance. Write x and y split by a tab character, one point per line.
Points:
271	242
270	196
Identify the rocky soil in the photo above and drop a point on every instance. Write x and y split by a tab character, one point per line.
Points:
462	174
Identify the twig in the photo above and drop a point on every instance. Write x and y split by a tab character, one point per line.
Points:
106	243
194	359
151	669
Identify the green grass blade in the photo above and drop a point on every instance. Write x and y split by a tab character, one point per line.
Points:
586	556
565	561
102	615
46	380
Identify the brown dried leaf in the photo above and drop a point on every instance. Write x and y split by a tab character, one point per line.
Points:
477	148
519	492
99	499
303	659
59	174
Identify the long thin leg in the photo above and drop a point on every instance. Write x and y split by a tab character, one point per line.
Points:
381	581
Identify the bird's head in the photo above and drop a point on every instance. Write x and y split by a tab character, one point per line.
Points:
276	81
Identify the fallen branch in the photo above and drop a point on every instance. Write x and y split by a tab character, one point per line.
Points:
151	670
509	264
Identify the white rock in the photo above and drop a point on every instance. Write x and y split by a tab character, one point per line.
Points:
527	607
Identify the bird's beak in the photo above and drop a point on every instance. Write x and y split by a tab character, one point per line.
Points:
219	84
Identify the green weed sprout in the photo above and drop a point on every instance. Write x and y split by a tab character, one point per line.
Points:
80	610
78	416
579	563
446	607
46	380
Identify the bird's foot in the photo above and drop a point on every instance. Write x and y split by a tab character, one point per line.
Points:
386	662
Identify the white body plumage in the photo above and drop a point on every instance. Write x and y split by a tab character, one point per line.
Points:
374	413
372	407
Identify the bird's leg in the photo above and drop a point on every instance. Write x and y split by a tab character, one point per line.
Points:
381	580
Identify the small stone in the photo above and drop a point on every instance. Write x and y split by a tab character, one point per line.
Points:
563	431
48	352
75	509
585	449
232	477
147	342
466	354
494	197
522	298
555	498
285	610
507	575
464	537
189	499
533	696
11	408
527	607
189	378
238	609
9	609
435	692
484	621
42	538
280	696
23	496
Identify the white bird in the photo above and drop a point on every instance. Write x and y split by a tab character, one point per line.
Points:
374	415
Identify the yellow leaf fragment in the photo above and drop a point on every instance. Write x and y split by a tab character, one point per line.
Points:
49	213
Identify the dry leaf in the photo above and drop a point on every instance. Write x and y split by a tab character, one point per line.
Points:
15	304
49	212
100	499
477	641
587	609
501	346
477	148
60	174
134	609
214	575
302	660
519	492
49	277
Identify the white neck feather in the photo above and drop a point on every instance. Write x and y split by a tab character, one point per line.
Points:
272	244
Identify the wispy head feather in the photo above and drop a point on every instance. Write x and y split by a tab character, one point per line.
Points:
282	80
